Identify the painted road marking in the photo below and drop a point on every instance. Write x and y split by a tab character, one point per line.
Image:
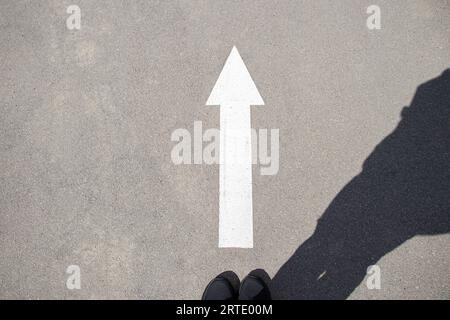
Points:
235	92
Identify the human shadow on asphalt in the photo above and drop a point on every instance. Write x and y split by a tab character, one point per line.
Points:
402	191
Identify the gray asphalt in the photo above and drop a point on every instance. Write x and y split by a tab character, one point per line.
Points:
86	176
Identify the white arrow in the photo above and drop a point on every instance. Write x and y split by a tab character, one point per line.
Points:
235	92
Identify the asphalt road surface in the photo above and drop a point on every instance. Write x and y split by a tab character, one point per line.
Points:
87	178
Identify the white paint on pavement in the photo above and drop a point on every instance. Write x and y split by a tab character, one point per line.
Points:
235	92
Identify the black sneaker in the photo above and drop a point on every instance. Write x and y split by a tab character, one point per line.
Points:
255	286
223	287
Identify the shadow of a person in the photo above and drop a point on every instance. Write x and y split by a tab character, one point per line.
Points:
402	191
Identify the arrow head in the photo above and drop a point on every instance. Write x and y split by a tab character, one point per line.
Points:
235	85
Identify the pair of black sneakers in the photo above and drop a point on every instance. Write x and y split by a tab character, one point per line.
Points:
227	286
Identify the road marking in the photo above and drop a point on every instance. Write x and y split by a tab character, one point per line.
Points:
235	92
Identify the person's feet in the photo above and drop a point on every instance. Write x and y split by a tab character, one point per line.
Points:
223	287
255	286
226	286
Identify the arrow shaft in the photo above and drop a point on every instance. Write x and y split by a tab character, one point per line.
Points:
236	203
